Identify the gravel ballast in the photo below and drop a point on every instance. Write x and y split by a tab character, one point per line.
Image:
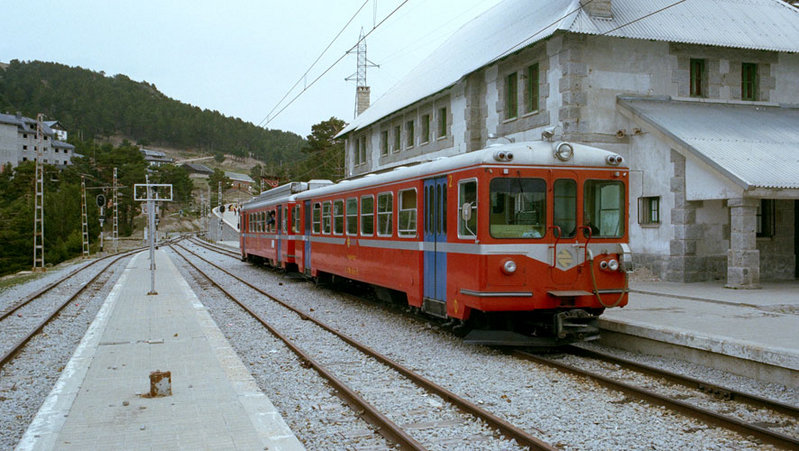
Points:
571	412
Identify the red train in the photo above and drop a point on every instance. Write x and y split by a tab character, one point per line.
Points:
515	244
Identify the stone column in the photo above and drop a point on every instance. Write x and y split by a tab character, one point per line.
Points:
683	264
743	258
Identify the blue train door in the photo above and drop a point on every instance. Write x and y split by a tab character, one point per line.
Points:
306	255
435	237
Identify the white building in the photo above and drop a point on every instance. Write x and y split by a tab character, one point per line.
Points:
700	97
19	142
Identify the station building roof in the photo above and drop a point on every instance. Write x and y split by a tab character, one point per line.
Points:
755	146
514	24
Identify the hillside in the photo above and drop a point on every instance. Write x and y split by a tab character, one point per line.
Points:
92	105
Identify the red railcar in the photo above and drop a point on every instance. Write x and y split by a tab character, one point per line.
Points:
524	243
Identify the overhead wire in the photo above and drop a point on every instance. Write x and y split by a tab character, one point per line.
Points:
329	68
315	61
501	55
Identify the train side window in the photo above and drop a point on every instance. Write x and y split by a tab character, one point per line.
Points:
295	219
518	207
326	216
603	208
406	225
565	208
352	216
317	217
385	213
284	218
367	215
338	217
270	221
467	208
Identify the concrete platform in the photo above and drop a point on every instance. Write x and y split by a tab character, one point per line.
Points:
97	402
754	333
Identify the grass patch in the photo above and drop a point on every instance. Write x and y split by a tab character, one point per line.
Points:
14	279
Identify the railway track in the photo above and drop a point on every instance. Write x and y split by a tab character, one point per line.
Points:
452	411
762	430
215	248
789	414
20	322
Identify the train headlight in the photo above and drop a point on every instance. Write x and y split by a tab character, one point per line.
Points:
614	160
509	267
613	265
564	151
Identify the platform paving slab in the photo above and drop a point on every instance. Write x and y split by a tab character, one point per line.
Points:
759	328
98	401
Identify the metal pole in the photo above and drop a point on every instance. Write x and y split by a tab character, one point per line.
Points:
84	217
38	215
116	214
151	218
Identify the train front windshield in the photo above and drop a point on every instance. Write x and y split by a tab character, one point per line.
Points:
518	208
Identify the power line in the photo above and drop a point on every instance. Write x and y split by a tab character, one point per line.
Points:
315	61
335	62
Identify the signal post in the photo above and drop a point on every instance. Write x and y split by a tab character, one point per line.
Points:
152	193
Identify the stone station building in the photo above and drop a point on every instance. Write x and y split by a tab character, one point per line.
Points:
701	98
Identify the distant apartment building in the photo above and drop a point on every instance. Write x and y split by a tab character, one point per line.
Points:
19	142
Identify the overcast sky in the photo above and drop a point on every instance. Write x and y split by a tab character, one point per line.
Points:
238	57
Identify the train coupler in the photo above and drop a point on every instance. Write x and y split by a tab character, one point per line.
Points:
576	325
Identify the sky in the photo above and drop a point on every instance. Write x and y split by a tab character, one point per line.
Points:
238	57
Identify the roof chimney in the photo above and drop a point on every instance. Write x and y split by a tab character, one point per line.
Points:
597	8
363	99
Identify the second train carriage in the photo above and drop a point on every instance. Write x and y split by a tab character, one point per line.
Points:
522	243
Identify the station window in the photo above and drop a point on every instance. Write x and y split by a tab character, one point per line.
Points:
352	216
425	138
338	217
531	88
697	77
649	210
406	225
766	218
603	208
384	142
749	85
385	214
326	217
397	139
442	122
317	217
410	134
511	96
467	208
518	208
367	215
362	149
565	208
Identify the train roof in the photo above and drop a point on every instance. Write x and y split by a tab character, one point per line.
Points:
280	193
529	153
